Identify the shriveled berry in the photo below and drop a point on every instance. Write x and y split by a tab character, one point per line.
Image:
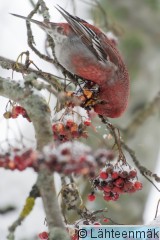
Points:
123	174
132	174
7	115
127	186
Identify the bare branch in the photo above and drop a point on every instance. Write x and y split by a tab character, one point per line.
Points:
48	77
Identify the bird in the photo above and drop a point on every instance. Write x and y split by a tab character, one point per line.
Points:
85	51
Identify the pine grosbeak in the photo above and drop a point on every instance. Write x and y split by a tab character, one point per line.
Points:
84	50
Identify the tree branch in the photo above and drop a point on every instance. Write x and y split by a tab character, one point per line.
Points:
21	68
37	110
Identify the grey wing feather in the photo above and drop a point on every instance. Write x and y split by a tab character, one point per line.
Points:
87	35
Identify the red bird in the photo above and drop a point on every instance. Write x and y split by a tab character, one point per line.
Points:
84	50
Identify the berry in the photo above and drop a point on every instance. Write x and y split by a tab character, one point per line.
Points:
123	174
74	237
91	197
96	223
106	220
7	115
103	175
87	122
107	198
114	175
107	189
43	236
132	174
119	182
138	185
69	123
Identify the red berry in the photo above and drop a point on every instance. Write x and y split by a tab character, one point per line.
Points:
119	182
75	237
19	109
117	190
107	198
96	223
14	113
43	235
132	174
91	197
106	220
114	175
103	175
138	185
69	123
107	188
87	122
127	186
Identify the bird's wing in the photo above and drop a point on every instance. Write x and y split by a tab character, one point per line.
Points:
87	35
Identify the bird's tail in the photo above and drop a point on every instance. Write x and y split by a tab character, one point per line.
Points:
41	24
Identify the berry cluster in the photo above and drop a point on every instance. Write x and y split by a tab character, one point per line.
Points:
116	179
15	112
18	159
67	158
70	157
71	124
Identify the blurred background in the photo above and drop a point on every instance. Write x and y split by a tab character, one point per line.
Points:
136	26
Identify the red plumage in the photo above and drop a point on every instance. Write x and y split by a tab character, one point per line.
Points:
86	51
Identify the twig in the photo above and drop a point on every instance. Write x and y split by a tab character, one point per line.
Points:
114	130
48	77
